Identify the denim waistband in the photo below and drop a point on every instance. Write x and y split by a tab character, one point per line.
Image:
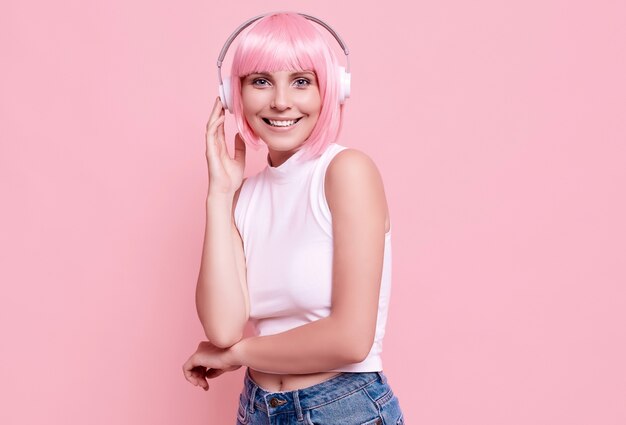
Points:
341	385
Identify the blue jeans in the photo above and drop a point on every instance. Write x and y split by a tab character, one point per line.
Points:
362	398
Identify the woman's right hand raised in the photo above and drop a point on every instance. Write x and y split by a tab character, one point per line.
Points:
225	173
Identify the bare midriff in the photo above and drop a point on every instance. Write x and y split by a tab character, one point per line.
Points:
272	382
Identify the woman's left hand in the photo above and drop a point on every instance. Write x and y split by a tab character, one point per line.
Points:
209	362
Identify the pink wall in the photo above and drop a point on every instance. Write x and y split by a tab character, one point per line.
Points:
500	132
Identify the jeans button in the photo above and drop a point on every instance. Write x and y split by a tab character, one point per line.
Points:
275	402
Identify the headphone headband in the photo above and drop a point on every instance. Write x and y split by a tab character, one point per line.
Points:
250	21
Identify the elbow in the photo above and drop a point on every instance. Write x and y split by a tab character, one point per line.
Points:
223	332
224	340
358	347
358	354
223	336
226	343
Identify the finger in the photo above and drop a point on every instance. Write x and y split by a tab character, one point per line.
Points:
202	382
213	373
211	129
240	150
189	374
213	147
217	109
199	373
221	139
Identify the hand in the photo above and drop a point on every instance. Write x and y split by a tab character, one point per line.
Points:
225	173
209	362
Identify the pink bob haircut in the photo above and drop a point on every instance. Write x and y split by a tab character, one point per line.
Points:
290	42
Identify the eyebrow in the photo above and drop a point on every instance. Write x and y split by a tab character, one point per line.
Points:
293	74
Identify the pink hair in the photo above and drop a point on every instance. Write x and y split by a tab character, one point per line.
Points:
290	42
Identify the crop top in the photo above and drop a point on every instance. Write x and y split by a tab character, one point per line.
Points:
286	228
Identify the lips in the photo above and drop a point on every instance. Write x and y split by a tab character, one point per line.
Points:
281	123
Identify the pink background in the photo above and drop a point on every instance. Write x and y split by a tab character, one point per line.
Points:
499	128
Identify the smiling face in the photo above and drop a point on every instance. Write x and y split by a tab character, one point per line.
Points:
282	108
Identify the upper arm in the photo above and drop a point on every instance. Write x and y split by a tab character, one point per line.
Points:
240	258
356	198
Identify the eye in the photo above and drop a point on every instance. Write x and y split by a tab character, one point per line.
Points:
261	82
302	82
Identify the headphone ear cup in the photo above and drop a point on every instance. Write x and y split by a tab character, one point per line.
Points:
226	95
344	85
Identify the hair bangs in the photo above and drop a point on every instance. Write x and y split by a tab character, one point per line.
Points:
275	45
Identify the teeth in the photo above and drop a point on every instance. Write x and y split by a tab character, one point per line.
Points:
282	123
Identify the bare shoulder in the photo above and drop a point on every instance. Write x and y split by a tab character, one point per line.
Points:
351	163
353	184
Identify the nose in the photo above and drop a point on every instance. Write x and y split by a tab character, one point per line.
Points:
281	99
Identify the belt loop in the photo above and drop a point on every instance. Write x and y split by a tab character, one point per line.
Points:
296	402
252	398
383	378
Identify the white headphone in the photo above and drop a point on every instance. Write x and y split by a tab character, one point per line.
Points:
343	73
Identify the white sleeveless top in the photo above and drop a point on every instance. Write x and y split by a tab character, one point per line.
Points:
286	228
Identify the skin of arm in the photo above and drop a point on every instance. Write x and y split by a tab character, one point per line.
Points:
356	198
221	290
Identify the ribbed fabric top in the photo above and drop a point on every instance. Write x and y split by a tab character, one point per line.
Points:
286	227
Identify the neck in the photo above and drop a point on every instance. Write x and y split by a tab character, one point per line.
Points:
277	158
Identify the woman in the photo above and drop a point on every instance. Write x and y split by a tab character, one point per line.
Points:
302	249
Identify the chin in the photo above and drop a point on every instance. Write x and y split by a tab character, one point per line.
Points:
282	147
278	143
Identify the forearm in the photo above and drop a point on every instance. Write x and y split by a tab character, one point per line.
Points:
318	346
219	298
